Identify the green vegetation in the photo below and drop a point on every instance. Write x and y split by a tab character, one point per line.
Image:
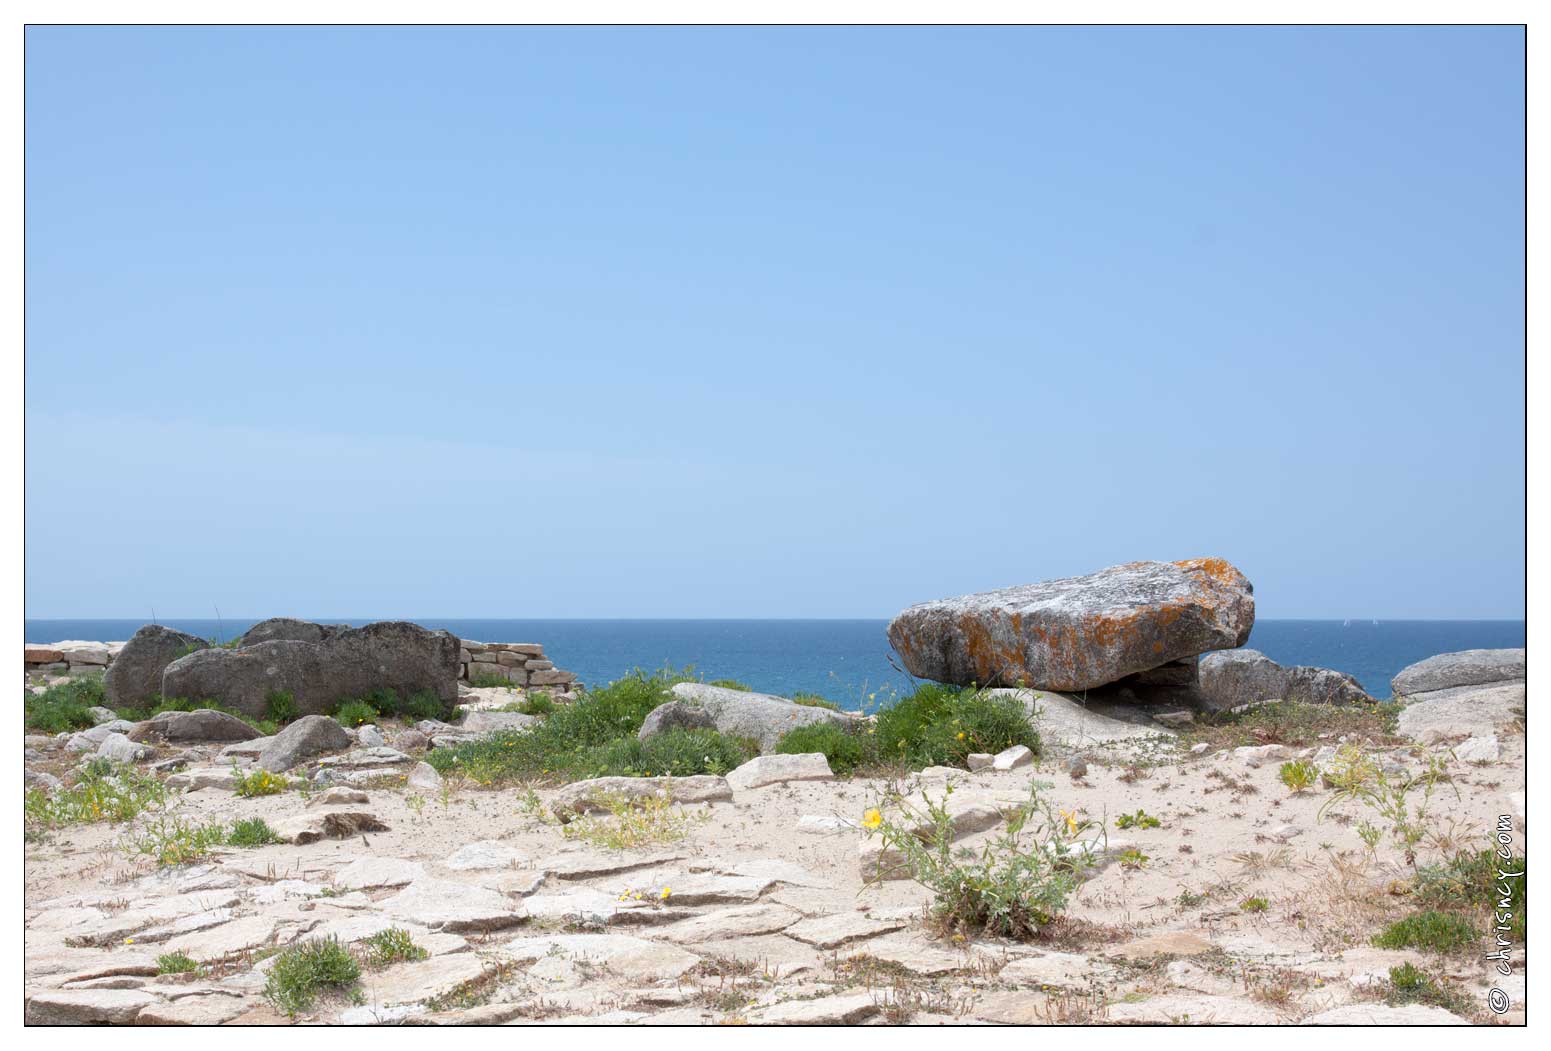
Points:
170	840
1254	905
252	832
813	700
260	783
648	821
1431	931
1408	985
176	963
355	713
846	750
422	705
486	680
536	703
596	735
1300	775
940	725
1478	883
63	707
1131	858
676	753
280	707
1140	819
393	945
1019	881
732	684
1295	724
303	972
101	793
1400	800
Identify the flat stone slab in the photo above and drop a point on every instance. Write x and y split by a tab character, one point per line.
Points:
454	906
738	922
582	797
776	769
85	1006
842	1009
485	854
1463	711
630	957
1191	1009
1380	1014
229	939
842	928
422	980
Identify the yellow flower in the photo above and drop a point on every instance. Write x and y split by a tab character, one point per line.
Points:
872	819
1071	821
961	735
129	941
665	892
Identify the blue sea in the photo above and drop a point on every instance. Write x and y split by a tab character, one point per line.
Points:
848	661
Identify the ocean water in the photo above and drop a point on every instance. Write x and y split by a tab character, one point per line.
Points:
850	660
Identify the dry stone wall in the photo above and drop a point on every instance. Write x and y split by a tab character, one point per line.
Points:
519	663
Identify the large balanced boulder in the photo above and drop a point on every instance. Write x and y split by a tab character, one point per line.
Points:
1078	633
346	664
736	713
135	676
1233	678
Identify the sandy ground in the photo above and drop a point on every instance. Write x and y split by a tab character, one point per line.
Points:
766	923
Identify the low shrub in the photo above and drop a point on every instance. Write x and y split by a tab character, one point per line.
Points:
176	963
280	707
1140	819
940	725
170	840
846	750
303	972
673	753
1254	905
568	741
1019	881
732	684
355	713
393	945
63	707
1430	931
251	832
537	703
1410	985
260	783
1295	724
1300	775
1479	882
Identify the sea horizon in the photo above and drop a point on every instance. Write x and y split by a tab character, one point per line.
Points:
847	659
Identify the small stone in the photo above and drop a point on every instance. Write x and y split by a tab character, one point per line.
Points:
369	736
1012	758
1478	750
424	778
1200	749
1077	768
121	749
977	761
339	795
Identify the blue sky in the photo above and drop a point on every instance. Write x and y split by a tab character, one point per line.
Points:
661	323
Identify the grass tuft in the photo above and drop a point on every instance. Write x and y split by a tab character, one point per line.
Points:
303	972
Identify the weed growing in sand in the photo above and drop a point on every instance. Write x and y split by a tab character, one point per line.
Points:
1409	985
644	822
393	945
1399	800
416	802
259	783
1300	775
1140	819
252	832
1131	858
102	793
176	963
1430	931
1020	880
303	972
1254	905
170	840
64	707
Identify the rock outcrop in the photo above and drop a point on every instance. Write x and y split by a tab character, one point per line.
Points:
1232	678
289	629
134	677
1467	694
737	713
1079	633
202	724
346	664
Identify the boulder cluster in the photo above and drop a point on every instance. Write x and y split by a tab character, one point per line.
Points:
1152	633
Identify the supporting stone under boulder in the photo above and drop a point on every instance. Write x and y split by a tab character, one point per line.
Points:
1233	678
1078	633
